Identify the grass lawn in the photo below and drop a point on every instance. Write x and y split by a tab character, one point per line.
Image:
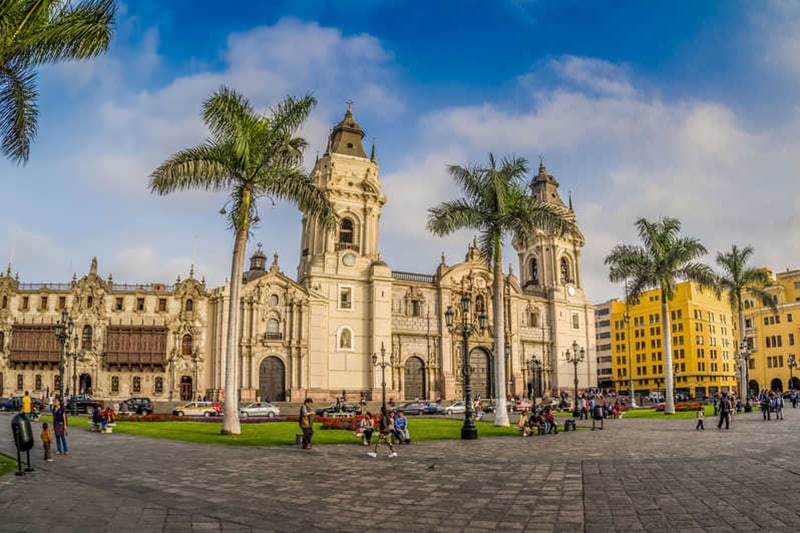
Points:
652	413
7	465
283	433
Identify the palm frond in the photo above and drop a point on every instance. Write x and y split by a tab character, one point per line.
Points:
287	183
229	116
203	167
452	216
292	112
18	111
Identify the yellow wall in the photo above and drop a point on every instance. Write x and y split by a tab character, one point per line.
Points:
702	342
773	337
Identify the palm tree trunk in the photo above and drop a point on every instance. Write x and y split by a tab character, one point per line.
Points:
669	400
743	376
230	420
501	413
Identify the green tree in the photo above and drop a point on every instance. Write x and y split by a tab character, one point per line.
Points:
34	33
663	258
248	156
495	204
735	280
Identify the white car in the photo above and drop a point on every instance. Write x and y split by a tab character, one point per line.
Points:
455	408
260	409
198	409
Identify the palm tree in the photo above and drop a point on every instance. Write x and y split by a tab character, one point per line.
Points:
34	33
495	204
662	259
737	279
248	156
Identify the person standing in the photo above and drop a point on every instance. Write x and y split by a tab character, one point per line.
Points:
778	405
793	398
47	441
385	430
701	415
724	411
26	405
307	422
60	426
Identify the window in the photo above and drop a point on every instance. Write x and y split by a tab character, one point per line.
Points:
534	271
20	382
533	319
189	306
5	301
791	339
346	231
56	382
778	319
86	338
788	317
565	277
89	301
186	345
2	340
345	339
576	321
62	302
137	384
751	363
43	305
748	322
159	385
24	303
140	304
162	304
115	384
345	298
118	304
37	382
416	308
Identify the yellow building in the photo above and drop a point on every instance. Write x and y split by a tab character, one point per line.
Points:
773	337
702	343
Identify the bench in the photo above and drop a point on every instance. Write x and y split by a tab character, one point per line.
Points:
93	427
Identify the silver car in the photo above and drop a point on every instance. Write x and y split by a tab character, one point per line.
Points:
455	408
260	409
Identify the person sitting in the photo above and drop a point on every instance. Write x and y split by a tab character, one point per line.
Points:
97	420
367	427
108	416
401	428
552	425
523	425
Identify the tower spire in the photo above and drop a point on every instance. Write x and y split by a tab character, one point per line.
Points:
372	155
570	199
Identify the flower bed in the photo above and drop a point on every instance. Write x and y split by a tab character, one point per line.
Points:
680	407
215	419
349	423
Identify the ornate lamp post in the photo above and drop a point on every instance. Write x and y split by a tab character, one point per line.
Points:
74	355
792	364
468	430
574	358
627	318
744	351
535	367
675	368
383	364
63	332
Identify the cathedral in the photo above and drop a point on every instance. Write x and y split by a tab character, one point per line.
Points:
318	334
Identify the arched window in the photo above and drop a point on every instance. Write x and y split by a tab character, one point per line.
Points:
534	271
37	382
480	305
159	385
5	302
189	305
186	345
86	338
273	326
2	340
533	319
346	231
345	339
137	384
565	277
115	384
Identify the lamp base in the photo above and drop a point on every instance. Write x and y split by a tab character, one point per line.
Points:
469	433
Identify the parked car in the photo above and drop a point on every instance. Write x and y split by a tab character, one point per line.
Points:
260	409
455	408
434	408
83	403
15	404
412	408
333	409
198	409
140	406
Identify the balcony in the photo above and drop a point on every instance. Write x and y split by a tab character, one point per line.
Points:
346	246
273	336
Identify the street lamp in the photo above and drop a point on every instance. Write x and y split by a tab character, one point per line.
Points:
63	332
383	364
675	367
74	355
468	430
536	377
744	351
573	358
627	319
792	364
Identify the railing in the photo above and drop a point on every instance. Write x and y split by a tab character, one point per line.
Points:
412	276
273	336
346	246
114	286
41	285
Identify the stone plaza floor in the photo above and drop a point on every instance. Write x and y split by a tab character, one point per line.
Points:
635	475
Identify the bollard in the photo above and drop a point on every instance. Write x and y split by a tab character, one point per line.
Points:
23	440
597	416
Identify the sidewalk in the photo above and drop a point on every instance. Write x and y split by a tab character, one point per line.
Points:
635	474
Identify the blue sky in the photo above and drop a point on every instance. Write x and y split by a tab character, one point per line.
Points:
683	108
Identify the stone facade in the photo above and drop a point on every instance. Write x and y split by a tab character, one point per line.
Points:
317	335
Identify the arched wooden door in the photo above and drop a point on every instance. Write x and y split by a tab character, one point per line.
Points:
414	379
776	384
272	380
85	384
186	388
481	373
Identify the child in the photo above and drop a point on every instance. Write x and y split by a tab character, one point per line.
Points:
701	415
47	440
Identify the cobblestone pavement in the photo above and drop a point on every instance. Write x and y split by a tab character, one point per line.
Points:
650	475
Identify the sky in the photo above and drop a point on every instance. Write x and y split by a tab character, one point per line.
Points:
641	109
